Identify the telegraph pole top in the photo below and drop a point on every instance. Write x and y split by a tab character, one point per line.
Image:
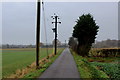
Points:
55	29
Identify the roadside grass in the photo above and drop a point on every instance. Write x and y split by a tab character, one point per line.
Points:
82	67
86	69
36	73
17	59
0	64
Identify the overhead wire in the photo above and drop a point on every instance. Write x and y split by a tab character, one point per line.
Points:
44	19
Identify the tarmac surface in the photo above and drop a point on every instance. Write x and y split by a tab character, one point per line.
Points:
63	67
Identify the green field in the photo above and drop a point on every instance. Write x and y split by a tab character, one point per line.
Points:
13	59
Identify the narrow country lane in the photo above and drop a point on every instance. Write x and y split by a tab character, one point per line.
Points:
63	67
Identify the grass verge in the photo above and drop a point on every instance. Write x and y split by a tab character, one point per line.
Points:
37	73
86	69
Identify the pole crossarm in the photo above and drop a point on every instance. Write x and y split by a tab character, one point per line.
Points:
57	22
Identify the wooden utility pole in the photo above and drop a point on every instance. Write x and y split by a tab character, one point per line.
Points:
55	30
38	34
65	44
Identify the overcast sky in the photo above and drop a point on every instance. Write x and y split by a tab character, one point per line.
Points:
19	20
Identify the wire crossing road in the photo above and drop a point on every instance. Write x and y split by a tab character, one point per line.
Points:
63	67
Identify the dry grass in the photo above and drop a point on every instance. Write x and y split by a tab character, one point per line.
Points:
90	60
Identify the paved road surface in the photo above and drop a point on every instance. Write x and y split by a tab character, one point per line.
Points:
63	67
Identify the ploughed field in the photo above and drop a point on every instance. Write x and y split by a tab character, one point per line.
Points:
13	59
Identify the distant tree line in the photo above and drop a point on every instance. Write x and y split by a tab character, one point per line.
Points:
42	45
106	44
5	46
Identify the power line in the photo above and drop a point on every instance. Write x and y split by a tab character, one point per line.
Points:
45	27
